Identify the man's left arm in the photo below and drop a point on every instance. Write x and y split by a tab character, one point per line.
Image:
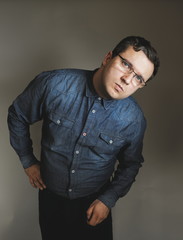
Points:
130	160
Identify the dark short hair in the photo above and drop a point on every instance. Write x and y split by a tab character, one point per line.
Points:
138	43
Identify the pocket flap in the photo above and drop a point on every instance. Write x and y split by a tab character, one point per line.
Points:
109	139
60	120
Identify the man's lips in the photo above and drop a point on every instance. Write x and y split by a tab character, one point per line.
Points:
118	87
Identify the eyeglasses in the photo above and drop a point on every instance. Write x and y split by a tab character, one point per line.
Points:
127	68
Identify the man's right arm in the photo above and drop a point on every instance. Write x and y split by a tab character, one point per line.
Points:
24	111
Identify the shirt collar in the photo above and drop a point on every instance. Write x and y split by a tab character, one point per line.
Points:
90	92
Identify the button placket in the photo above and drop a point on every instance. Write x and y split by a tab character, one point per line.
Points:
84	133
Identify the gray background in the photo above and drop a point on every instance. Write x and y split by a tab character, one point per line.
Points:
42	35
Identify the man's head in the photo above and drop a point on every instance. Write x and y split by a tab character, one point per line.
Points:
126	69
138	44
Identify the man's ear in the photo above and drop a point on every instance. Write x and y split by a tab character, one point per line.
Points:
107	58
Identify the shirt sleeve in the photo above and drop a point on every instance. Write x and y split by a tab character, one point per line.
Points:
26	109
130	160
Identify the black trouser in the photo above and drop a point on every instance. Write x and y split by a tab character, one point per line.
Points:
64	219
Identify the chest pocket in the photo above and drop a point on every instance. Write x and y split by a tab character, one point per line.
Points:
108	144
58	130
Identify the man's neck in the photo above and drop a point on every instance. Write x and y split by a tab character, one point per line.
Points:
97	82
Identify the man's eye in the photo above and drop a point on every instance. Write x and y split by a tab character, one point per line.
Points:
138	78
126	65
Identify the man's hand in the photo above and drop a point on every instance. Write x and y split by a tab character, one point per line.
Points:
97	212
33	172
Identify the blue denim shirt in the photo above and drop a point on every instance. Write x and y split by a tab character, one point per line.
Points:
83	136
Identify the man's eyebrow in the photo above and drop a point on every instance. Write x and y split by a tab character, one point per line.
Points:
131	65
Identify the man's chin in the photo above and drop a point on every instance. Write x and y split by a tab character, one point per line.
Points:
115	96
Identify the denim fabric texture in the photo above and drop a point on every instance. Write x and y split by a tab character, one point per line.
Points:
83	135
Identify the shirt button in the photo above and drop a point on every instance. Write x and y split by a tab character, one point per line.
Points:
84	134
70	190
93	111
77	152
58	121
111	141
99	98
73	171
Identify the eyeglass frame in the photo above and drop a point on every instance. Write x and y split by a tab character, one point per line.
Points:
142	82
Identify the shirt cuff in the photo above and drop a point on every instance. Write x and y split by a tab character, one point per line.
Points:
108	198
28	161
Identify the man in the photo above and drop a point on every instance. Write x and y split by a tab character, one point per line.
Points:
91	124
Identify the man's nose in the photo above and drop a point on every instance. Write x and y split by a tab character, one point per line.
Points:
127	78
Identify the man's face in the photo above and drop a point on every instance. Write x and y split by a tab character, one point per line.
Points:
114	83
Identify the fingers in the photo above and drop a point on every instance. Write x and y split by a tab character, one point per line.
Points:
37	183
34	175
32	183
89	213
97	212
94	219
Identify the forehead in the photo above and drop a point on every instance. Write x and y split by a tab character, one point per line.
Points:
140	62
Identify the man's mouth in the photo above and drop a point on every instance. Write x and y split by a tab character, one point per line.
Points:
118	87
